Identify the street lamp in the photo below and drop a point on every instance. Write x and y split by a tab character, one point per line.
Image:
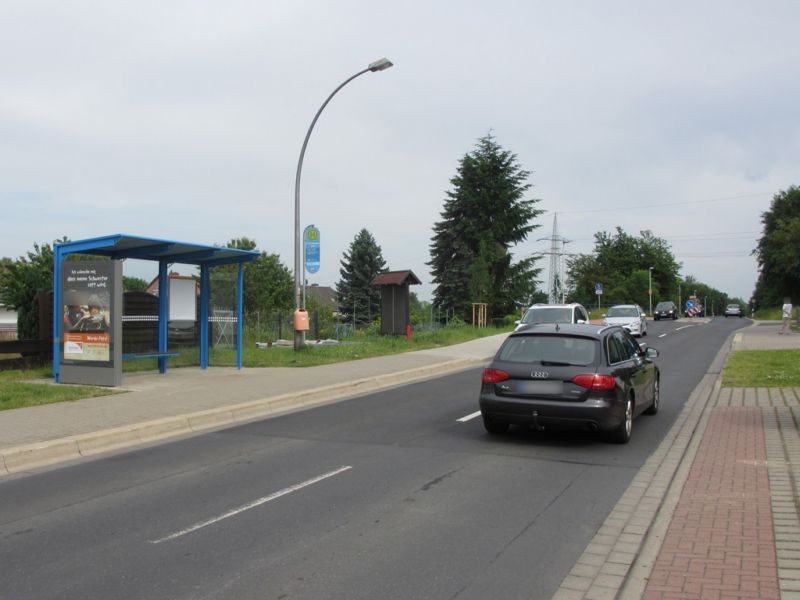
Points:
378	65
650	288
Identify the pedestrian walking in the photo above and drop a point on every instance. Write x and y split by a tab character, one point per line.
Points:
787	315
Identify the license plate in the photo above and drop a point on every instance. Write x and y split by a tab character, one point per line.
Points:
547	388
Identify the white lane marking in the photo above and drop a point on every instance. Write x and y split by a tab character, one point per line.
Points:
469	417
663	335
250	505
684	327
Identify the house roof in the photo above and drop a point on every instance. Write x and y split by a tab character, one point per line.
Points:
326	295
396	278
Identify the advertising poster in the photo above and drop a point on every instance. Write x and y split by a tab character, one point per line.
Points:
86	303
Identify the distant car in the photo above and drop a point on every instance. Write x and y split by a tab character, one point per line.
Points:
629	316
665	309
733	310
575	376
554	313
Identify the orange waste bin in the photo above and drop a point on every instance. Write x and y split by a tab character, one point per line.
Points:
301	320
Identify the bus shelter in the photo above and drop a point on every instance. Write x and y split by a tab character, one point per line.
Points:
87	348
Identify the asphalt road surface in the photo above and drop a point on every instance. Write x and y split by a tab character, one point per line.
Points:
400	494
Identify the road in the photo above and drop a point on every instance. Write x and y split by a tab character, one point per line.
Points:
400	494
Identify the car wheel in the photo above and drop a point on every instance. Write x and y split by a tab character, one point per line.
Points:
494	428
653	408
622	434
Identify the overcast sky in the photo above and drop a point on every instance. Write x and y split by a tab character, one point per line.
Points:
184	120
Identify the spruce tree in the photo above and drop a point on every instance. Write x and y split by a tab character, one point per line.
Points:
358	301
485	215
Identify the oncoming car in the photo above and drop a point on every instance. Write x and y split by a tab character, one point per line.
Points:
666	309
629	316
554	313
577	376
733	310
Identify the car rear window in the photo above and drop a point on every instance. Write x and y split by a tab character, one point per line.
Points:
550	348
548	314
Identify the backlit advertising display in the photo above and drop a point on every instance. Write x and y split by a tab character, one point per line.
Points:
86	298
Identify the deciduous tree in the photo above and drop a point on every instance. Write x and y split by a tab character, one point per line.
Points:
21	281
621	262
268	283
778	250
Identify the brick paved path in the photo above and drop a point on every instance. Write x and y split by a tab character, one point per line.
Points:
720	543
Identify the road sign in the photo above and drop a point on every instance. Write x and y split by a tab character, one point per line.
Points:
598	289
311	241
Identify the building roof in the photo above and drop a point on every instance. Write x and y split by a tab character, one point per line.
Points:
325	295
396	278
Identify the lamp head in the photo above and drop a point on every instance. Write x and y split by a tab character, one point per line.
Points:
380	65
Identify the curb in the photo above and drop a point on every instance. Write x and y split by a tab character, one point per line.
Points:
29	456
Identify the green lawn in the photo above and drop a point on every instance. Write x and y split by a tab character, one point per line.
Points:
15	392
762	368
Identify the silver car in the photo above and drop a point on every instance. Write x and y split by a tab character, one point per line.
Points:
554	313
629	316
733	310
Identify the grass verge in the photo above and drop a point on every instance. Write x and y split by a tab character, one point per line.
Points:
16	393
762	368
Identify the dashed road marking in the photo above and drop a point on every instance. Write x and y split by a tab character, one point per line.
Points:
249	505
469	417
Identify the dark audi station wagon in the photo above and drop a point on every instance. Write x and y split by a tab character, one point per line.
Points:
575	376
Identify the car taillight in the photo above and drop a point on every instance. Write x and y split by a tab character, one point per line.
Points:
594	381
494	376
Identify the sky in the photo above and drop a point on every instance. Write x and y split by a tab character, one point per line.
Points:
184	120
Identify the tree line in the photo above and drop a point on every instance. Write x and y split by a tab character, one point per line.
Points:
486	214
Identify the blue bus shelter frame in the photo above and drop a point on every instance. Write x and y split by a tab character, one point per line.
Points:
165	252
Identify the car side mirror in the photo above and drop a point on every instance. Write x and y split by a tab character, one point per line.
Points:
651	353
604	315
517	322
581	322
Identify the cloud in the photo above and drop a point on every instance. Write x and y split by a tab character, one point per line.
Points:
185	121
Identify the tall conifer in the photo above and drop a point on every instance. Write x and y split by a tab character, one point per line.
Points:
484	216
358	301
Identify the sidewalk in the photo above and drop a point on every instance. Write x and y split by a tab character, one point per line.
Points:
713	513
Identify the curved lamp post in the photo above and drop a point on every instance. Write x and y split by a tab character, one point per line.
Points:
378	65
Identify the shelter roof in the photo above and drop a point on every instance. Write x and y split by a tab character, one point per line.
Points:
122	245
396	278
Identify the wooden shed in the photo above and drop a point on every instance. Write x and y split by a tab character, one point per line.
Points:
395	310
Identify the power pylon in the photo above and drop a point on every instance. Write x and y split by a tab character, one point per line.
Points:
555	280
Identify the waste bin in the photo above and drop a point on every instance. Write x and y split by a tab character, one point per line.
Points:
301	320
